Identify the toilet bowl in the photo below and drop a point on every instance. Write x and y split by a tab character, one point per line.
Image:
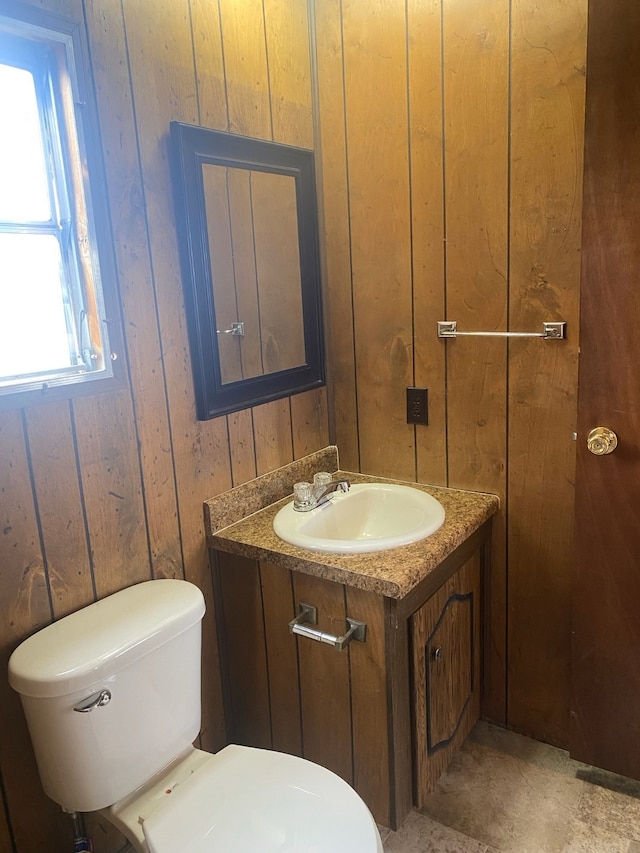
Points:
247	800
111	694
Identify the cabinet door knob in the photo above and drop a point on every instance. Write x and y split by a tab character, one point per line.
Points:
601	441
437	654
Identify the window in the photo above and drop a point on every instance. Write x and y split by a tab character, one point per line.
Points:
53	318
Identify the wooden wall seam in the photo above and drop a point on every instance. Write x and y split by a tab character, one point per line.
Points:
322	249
36	512
334	200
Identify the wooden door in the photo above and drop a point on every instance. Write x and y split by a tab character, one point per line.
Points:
605	716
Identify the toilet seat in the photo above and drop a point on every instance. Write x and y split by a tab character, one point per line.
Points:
247	800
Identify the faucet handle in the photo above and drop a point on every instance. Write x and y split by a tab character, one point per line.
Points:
303	496
320	482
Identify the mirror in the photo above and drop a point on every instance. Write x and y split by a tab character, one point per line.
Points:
252	228
247	225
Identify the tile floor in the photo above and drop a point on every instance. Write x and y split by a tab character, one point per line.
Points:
505	793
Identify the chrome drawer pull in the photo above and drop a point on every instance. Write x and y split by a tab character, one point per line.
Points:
308	617
96	700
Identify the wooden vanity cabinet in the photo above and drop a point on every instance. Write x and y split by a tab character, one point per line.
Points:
383	714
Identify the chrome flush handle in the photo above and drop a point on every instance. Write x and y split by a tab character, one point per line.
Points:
96	700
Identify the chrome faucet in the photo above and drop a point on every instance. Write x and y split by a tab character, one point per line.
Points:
326	494
307	498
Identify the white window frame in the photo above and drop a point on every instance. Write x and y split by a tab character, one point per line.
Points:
55	50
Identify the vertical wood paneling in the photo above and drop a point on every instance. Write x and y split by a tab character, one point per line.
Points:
243	458
476	105
287	39
249	719
309	421
427	223
209	59
126	198
24	603
289	61
379	117
370	716
492	140
324	679
376	121
334	196
284	695
249	107
58	494
112	491
400	710
214	106
245	59
546	193
163	91
272	433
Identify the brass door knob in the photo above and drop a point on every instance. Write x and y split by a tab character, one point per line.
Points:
601	441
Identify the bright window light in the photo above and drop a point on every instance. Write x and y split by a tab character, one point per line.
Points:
32	298
23	176
52	319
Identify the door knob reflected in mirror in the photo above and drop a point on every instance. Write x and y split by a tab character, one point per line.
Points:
601	441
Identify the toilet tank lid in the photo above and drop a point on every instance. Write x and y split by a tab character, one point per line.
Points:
96	641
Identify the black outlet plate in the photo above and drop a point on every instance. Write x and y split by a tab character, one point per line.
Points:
418	406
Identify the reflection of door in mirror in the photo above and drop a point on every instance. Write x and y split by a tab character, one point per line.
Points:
252	227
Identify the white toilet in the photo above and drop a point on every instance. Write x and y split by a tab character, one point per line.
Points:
111	694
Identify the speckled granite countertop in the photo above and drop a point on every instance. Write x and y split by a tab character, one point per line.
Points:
394	573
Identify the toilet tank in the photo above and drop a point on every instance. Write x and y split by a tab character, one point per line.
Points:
142	646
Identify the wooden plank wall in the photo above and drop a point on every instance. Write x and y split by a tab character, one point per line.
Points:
451	139
107	490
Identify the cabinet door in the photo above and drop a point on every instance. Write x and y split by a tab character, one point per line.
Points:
445	635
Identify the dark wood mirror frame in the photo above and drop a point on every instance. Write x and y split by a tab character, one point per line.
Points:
192	147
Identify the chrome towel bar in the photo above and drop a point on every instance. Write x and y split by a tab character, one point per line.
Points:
308	617
550	332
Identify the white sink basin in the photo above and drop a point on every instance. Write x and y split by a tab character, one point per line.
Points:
369	517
